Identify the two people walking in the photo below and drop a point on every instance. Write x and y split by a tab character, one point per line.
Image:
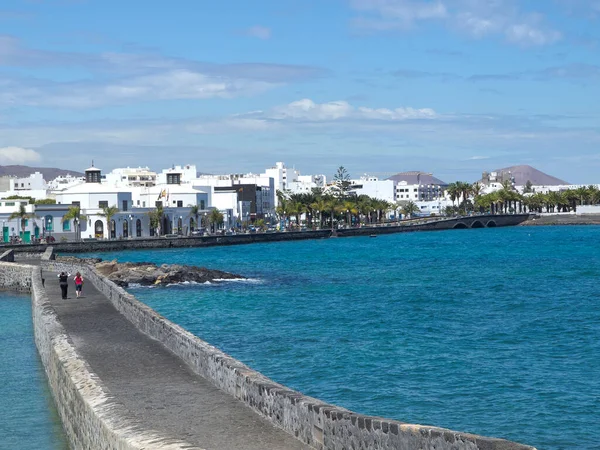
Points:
63	281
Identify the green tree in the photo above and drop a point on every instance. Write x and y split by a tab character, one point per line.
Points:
319	205
195	213
283	207
46	201
109	212
30	200
216	219
23	216
454	191
342	181
156	218
409	209
74	214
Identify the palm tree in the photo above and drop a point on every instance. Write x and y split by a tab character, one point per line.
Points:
476	189
409	209
216	219
156	216
195	213
74	214
364	204
319	205
454	192
23	216
351	210
583	195
282	209
109	212
333	206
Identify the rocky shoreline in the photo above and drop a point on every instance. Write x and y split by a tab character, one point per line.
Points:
571	219
149	274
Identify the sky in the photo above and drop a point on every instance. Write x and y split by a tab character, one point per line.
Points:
452	87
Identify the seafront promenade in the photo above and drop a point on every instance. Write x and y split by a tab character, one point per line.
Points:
124	377
413	225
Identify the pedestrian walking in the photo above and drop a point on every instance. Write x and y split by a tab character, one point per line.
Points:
63	281
78	284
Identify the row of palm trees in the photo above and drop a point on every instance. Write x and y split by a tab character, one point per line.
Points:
508	200
322	210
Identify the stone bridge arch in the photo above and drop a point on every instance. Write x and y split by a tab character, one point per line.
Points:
460	226
477	224
491	224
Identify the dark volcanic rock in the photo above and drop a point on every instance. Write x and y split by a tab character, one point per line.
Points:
147	274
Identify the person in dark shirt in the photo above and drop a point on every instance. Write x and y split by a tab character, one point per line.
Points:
63	281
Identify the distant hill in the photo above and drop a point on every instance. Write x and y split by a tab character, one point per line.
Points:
49	173
526	173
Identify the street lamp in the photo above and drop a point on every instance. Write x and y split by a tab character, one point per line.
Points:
131	226
180	225
76	222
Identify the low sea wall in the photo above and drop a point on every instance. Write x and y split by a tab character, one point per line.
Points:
91	418
425	224
318	424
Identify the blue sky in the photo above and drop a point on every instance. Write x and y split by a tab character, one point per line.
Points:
454	87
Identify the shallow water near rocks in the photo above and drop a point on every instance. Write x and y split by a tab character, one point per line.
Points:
489	331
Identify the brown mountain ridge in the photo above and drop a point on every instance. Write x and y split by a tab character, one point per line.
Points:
49	173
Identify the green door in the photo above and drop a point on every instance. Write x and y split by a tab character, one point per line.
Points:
26	236
37	233
5	234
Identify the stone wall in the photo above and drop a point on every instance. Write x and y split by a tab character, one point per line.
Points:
8	256
15	277
314	422
90	417
162	242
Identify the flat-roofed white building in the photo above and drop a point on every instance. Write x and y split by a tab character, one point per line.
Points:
374	188
133	177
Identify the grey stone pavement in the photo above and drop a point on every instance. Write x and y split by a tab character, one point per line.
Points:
157	387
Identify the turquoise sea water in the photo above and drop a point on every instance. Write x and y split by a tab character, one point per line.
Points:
490	331
28	419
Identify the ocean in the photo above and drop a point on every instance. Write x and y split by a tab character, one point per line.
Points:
488	331
28	418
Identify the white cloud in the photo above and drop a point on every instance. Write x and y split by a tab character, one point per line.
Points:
18	155
476	18
259	32
307	109
119	78
169	85
403	12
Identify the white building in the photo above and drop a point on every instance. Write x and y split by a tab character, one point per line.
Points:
418	186
286	179
184	174
63	182
132	177
32	186
374	188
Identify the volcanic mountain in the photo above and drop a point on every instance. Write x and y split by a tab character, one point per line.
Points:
49	173
525	173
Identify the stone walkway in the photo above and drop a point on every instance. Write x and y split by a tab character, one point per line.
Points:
155	385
